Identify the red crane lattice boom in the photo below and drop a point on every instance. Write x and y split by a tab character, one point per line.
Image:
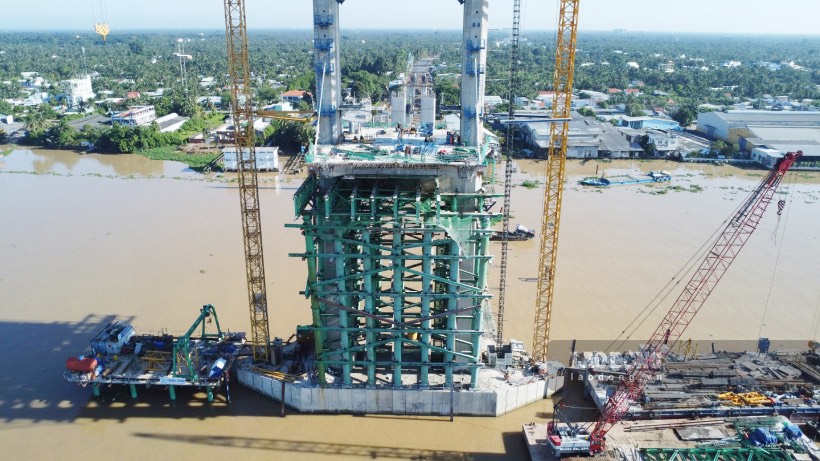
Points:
697	290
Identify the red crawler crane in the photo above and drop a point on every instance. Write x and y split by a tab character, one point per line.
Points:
696	291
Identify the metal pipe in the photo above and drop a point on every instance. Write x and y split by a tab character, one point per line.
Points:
318	336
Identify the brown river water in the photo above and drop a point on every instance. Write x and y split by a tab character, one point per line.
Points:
87	239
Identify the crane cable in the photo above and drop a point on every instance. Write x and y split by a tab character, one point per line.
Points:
780	205
103	9
814	319
664	292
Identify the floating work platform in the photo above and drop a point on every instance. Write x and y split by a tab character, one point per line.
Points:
743	438
721	384
652	176
118	356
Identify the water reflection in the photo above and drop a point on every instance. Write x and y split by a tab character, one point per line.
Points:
64	162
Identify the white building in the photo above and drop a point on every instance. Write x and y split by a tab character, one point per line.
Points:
739	126
135	116
766	156
664	141
77	90
493	100
267	158
171	122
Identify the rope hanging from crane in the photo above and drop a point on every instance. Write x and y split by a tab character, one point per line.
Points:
101	28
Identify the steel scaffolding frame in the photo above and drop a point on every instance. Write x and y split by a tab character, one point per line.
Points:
715	454
397	277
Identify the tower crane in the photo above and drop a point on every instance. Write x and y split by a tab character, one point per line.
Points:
554	190
505	233
566	440
242	112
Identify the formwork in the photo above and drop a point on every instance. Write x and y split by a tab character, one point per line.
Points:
396	248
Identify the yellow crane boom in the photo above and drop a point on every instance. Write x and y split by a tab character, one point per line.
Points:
554	190
242	112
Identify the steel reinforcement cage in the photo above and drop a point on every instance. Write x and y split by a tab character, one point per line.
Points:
397	278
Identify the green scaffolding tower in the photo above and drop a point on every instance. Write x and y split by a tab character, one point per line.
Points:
397	258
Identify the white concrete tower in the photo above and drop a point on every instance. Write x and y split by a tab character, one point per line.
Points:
398	104
473	65
326	58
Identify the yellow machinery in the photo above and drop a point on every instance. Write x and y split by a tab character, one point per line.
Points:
688	349
561	107
242	112
748	398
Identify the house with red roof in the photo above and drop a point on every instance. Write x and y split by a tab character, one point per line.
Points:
294	96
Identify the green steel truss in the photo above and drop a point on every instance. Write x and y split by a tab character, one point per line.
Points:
397	278
715	454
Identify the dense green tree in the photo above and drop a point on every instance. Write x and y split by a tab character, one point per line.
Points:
289	135
37	119
685	115
634	110
718	147
586	112
62	135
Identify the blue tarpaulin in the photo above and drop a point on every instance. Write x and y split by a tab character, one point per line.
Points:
762	437
792	431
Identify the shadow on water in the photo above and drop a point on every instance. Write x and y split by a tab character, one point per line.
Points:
31	385
513	443
32	388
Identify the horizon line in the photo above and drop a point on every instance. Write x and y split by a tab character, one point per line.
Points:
399	31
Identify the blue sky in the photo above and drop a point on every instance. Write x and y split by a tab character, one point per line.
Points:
792	17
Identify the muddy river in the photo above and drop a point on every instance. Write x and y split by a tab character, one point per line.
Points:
87	239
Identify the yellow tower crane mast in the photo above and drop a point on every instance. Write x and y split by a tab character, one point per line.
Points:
242	112
554	190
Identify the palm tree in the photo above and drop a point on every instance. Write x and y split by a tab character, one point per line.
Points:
35	121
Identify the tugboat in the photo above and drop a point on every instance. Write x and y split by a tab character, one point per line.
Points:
520	233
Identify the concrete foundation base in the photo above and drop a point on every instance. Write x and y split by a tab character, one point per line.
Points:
312	399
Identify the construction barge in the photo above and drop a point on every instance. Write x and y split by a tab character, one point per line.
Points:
768	438
120	357
730	406
720	384
651	177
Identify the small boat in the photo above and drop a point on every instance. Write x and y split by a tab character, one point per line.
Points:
520	233
652	176
217	368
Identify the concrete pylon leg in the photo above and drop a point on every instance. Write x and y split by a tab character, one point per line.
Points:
473	70
327	63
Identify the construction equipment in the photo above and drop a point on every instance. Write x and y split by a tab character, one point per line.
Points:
185	360
242	112
508	167
687	349
554	190
695	292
